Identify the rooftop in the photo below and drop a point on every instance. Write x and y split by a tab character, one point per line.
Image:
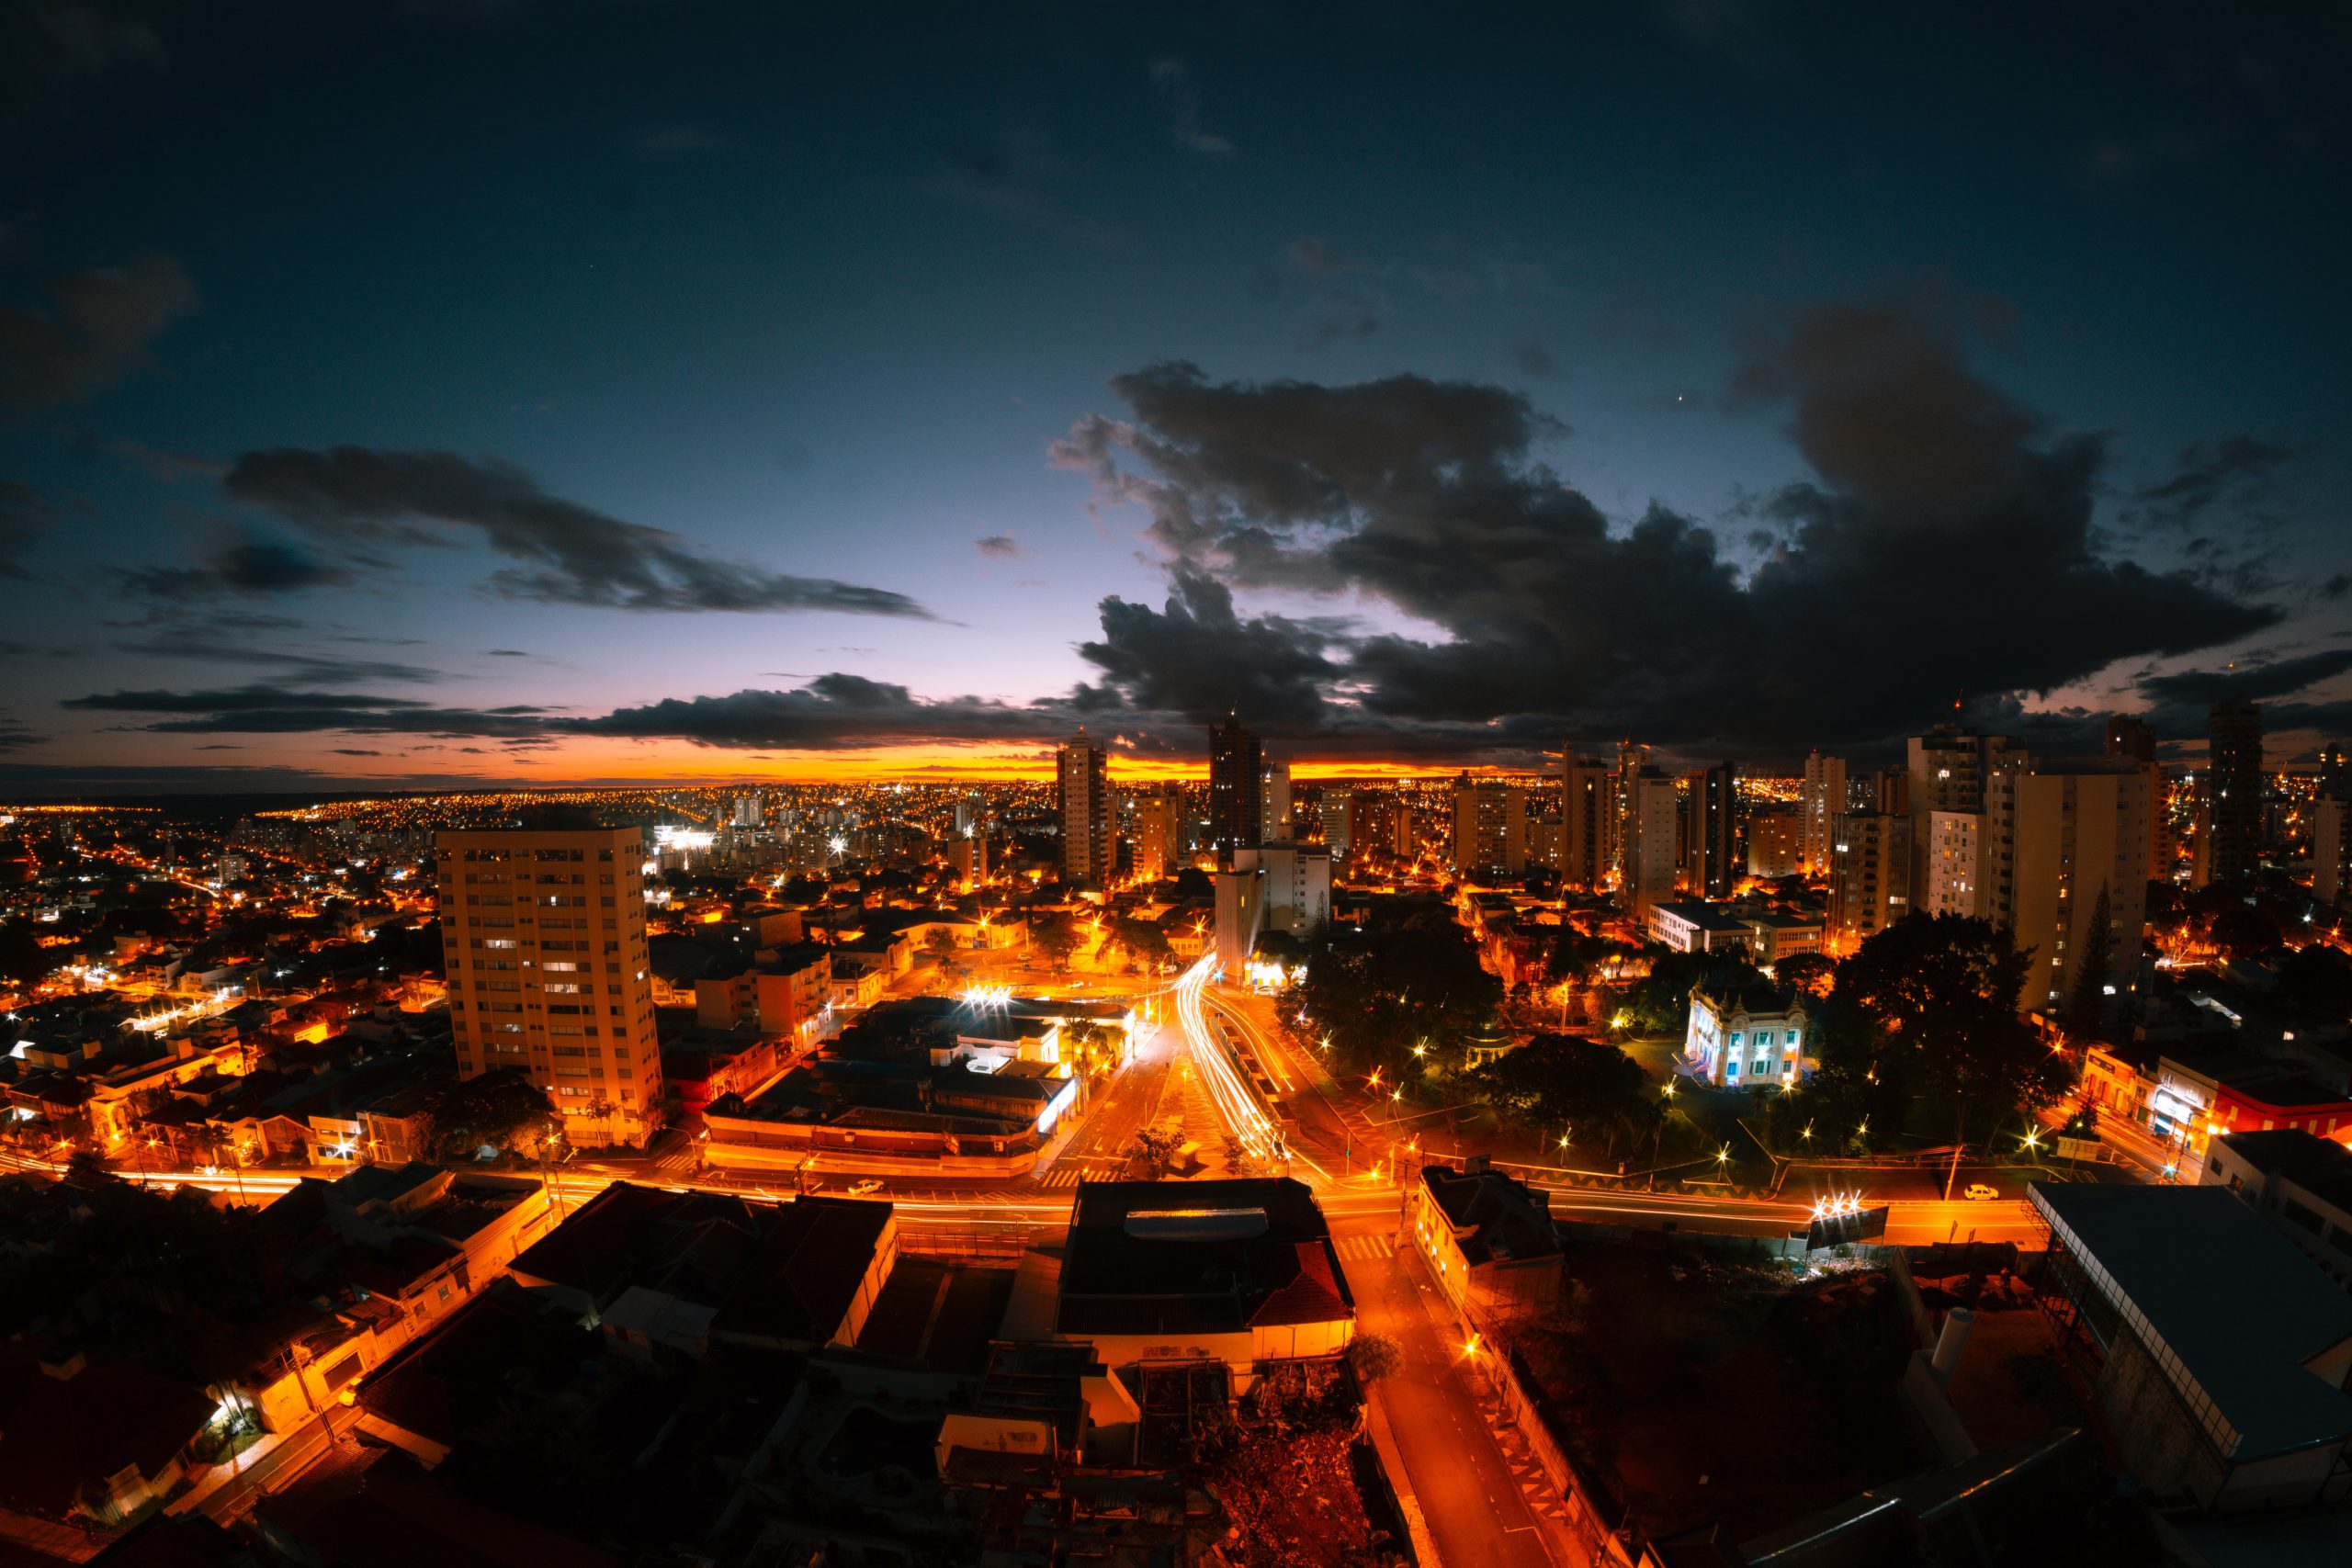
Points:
2232	1300
1205	1257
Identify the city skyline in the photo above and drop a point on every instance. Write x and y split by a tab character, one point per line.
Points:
733	399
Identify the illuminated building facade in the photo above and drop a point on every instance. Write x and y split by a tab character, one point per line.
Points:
1489	827
2062	839
1821	799
1869	875
1274	816
1082	800
543	934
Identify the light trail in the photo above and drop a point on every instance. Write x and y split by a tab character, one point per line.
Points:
1235	1100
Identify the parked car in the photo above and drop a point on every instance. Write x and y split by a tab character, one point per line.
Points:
1978	1191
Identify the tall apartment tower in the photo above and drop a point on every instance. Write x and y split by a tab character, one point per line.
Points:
2331	830
1082	798
1587	806
2072	833
2129	739
1489	826
1709	871
2133	741
1159	850
1651	841
1236	784
1275	816
2331	851
1337	811
543	934
1821	800
2334	772
1947	773
1869	875
2229	802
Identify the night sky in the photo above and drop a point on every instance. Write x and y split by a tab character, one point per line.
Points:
407	393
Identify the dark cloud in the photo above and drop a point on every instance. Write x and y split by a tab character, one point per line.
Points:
834	710
216	645
51	50
253	567
96	329
232	700
25	516
354	751
1172	81
570	554
2279	678
998	547
508	653
16	735
1939	509
1533	358
1196	657
2237	471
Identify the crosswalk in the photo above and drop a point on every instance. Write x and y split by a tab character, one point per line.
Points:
1364	1248
1062	1175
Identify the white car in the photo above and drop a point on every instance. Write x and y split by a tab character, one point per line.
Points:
1978	1192
860	1189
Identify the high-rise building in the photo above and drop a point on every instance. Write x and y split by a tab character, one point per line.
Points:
970	856
1869	875
2130	737
543	930
1949	767
2331	851
1273	803
1082	798
1633	761
2334	772
2229	801
1651	841
748	812
1775	841
1821	799
2071	837
1709	871
1951	864
1588	807
1236	782
970	813
1489	826
1295	885
1158	826
1337	811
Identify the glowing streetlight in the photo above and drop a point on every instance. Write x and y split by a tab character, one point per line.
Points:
1723	1155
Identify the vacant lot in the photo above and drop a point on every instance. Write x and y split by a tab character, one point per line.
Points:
1705	1394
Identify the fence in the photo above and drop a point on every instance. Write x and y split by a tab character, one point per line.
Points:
1593	1515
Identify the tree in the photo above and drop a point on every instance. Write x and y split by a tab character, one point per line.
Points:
1381	991
1562	1078
1057	936
502	1110
1238	1159
1932	1002
1372	1357
1812	973
2243	932
1659	1003
23	961
2087	1006
1153	1153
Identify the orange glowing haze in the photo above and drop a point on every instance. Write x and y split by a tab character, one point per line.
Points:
637	762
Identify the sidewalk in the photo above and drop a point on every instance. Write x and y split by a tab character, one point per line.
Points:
1550	1510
